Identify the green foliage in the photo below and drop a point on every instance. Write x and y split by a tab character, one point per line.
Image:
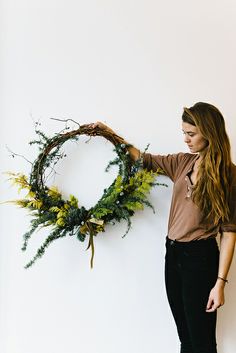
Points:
127	194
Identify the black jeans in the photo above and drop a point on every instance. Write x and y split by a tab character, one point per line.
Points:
191	270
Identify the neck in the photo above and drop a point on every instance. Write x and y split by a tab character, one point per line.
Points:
198	161
200	156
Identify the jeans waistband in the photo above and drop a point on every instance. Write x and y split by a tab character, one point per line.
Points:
192	243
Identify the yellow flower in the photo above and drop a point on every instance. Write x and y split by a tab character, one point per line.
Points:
73	201
54	209
61	214
60	222
31	194
54	192
35	204
21	203
19	179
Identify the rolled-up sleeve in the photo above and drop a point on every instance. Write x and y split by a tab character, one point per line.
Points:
169	163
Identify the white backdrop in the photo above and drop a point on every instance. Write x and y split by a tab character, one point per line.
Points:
132	65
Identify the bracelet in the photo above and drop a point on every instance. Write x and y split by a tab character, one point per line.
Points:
223	279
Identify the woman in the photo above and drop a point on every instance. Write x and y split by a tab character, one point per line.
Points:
203	205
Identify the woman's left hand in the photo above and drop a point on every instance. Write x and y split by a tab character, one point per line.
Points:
216	298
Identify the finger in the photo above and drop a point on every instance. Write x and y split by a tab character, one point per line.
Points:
93	125
211	310
214	307
97	124
209	303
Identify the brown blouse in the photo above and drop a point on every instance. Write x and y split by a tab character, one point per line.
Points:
186	221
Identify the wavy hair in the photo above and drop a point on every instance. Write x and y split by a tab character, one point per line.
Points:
212	190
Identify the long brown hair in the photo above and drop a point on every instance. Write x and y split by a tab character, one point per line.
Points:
211	193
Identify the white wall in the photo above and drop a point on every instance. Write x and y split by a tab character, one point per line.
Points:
133	65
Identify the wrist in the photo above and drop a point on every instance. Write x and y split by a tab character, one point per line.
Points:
221	281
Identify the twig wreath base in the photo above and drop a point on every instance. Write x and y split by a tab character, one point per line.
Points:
119	201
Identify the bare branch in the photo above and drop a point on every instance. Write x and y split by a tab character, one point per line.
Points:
13	154
87	141
66	120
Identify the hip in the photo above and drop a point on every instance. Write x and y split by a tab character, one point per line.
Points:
193	254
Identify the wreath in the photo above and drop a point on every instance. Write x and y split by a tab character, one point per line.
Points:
119	201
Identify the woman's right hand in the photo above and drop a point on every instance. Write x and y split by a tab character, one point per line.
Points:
134	152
